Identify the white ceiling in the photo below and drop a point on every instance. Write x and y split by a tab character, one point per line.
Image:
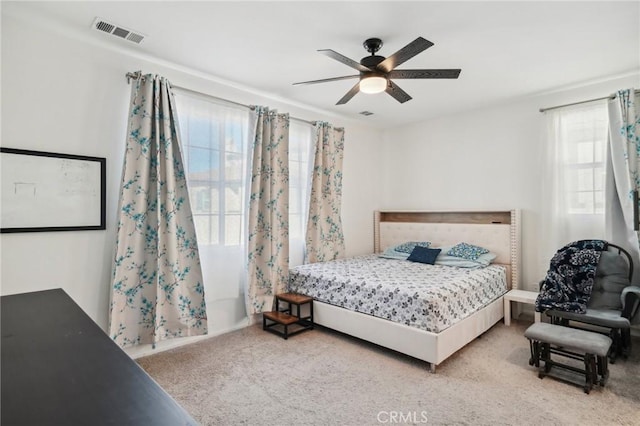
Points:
505	49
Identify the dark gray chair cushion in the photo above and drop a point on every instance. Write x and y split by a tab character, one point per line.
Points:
612	276
612	263
606	292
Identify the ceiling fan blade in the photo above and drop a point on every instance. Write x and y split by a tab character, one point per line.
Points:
325	80
397	93
452	73
341	58
409	51
350	94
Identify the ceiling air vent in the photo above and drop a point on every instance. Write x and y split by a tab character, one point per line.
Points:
366	113
110	28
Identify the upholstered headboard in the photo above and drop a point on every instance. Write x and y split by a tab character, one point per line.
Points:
498	231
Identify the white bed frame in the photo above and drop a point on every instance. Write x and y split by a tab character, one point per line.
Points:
498	231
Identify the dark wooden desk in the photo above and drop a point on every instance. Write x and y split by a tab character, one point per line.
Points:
59	368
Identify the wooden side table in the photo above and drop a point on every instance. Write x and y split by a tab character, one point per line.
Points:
522	296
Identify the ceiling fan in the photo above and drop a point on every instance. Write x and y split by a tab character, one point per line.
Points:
376	71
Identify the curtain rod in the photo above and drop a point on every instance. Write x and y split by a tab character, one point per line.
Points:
583	102
138	74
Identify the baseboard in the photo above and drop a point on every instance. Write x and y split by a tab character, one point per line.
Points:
165	345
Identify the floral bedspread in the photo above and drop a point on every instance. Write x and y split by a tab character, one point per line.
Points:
428	297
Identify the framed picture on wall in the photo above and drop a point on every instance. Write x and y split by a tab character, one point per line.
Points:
45	191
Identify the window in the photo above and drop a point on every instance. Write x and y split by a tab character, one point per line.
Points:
214	145
300	163
574	174
585	131
214	139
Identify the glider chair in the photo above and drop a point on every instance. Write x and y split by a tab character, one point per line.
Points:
613	305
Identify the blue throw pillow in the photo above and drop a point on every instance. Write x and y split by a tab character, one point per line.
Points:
424	255
467	251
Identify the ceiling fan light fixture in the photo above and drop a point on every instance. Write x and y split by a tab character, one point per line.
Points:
373	84
378	74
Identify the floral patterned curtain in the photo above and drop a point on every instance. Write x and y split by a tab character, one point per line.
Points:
268	230
324	237
157	288
624	166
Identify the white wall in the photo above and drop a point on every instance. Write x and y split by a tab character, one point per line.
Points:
61	94
64	95
484	159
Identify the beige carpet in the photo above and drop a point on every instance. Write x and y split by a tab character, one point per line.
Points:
321	377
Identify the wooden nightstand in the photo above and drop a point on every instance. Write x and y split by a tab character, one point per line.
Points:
281	319
521	296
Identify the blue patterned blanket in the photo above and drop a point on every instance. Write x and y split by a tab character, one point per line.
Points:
569	280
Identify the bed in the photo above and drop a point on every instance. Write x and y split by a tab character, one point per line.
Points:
422	319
